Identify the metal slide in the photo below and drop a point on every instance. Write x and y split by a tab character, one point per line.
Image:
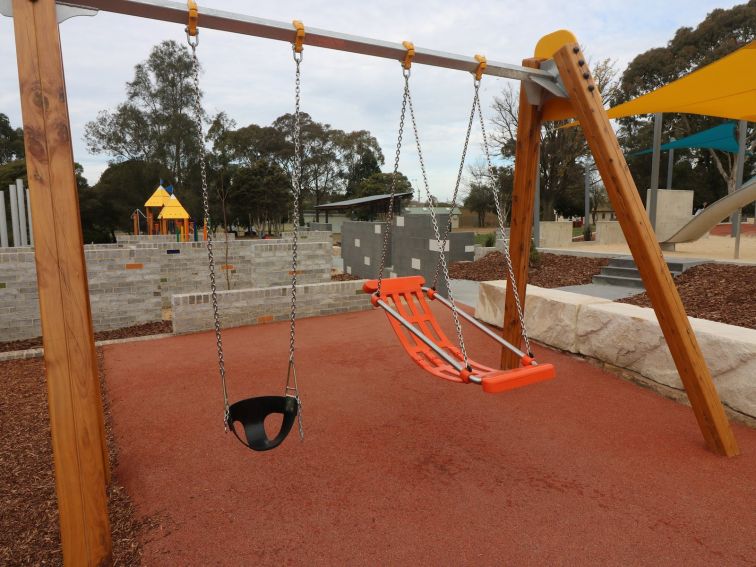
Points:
712	215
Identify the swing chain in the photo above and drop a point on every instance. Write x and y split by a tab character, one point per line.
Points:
437	233
296	184
459	181
206	212
500	217
390	215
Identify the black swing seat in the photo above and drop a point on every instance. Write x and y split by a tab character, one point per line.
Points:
251	414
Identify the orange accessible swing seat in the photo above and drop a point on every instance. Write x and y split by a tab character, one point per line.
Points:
404	301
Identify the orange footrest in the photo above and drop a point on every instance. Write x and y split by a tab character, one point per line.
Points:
501	381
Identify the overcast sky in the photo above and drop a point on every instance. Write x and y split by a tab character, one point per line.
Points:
252	79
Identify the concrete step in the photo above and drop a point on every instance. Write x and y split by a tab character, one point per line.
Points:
618	280
620	271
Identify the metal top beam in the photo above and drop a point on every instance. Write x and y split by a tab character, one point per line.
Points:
176	12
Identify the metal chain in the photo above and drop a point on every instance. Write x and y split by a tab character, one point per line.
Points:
390	215
436	231
296	185
500	217
206	211
459	181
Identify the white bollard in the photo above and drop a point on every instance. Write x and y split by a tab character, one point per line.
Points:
14	215
3	222
21	196
28	210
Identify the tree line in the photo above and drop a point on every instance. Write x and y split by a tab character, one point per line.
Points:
564	152
152	136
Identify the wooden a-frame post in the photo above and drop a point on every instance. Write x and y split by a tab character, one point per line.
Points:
527	148
586	103
76	415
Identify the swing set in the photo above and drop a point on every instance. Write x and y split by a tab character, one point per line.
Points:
557	84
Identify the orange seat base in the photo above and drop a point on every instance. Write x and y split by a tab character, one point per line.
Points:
407	297
504	380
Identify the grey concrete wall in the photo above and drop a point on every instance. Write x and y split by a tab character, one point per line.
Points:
413	247
193	312
361	245
129	284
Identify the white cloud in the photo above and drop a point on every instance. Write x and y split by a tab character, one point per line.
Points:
252	79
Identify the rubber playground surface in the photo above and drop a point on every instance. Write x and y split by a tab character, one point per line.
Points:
400	468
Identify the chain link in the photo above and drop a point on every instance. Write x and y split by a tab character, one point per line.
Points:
296	185
206	211
436	231
390	215
459	181
500	217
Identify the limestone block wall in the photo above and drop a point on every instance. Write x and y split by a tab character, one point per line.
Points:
609	232
193	312
674	208
629	337
555	234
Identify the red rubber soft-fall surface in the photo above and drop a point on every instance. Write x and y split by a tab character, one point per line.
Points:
401	468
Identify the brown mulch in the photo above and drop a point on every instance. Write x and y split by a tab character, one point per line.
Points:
124	333
343	278
552	270
29	532
717	292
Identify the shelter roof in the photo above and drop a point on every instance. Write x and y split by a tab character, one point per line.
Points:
352	203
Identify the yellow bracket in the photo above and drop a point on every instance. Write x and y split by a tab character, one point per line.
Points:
299	39
410	47
482	64
191	27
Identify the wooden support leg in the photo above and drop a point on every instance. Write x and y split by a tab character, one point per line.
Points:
521	226
149	221
76	416
586	100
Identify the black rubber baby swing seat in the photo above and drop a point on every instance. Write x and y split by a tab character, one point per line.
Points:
251	413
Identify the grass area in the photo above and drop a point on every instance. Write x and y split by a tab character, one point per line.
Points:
486	239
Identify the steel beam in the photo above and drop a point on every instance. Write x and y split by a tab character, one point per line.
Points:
176	12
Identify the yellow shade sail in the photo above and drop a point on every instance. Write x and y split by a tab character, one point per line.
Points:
158	198
725	88
173	210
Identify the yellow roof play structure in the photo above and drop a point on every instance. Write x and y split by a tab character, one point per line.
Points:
725	88
158	198
173	210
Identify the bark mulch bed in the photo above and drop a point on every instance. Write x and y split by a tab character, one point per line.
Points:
551	270
124	333
29	532
343	278
718	292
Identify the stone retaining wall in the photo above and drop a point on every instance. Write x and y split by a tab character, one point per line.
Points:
130	284
629	337
193	312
